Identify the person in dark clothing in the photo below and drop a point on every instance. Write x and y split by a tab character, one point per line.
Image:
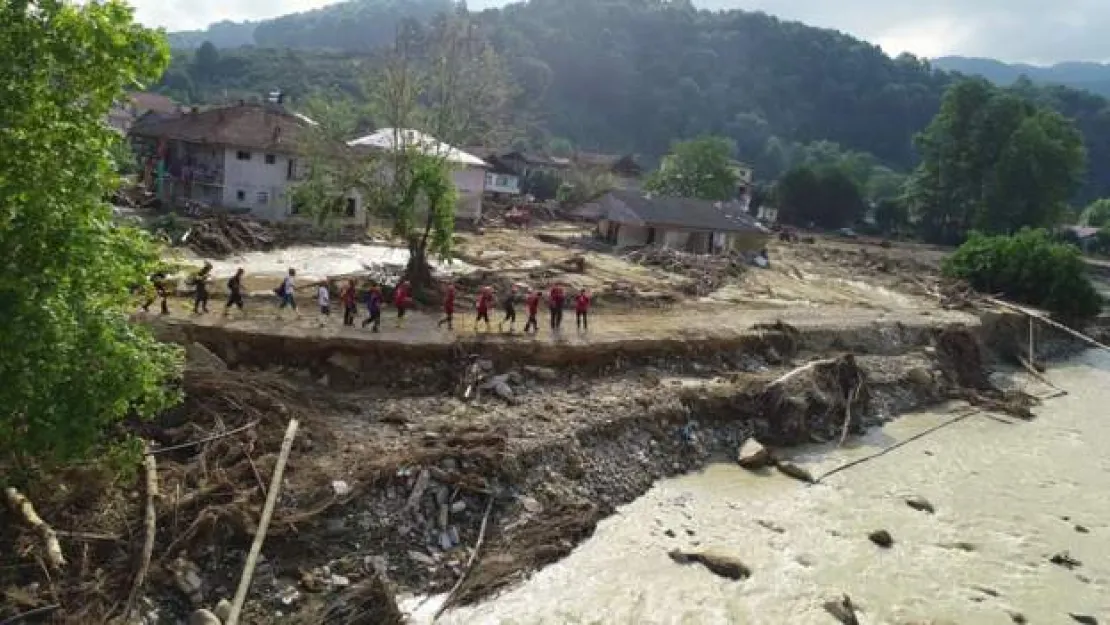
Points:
532	302
234	291
555	300
485	300
200	283
373	308
349	296
509	306
581	310
160	290
448	307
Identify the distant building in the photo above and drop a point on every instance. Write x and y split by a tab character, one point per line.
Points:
628	218
243	158
469	172
135	105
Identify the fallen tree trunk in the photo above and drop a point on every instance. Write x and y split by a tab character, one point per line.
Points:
26	511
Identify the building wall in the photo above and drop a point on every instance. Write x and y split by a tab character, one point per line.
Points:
502	183
471	185
675	239
629	235
258	183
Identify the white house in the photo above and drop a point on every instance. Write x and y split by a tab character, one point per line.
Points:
244	158
469	173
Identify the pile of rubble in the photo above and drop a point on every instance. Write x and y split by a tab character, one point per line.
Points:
706	272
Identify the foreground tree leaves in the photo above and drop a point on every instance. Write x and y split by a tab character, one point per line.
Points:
71	363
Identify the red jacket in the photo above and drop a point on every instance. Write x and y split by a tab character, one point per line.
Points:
449	300
557	297
349	297
484	300
533	303
582	302
401	296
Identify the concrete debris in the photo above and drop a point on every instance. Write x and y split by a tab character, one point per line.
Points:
458	506
341	488
222	610
920	504
881	538
753	455
724	565
204	617
339	581
289	596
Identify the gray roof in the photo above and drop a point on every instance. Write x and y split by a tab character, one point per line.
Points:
635	207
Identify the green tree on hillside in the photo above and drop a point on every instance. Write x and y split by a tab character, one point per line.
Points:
701	168
825	196
72	363
994	162
1097	214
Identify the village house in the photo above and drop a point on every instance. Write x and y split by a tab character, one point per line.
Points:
469	173
135	105
628	218
242	158
623	167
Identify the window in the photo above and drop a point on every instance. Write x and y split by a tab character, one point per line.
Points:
290	169
351	205
263	197
243	155
241	195
270	159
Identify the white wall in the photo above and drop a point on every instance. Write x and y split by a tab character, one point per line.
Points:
471	185
256	184
502	183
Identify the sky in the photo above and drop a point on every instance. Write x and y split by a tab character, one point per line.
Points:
1032	31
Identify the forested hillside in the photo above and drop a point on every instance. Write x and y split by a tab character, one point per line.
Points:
635	75
1079	75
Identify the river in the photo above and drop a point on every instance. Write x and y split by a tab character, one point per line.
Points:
1008	495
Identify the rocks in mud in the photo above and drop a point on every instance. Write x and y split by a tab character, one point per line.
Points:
1018	617
1083	618
753	455
500	386
223	610
842	610
795	471
204	617
186	576
920	504
720	564
1065	560
881	538
1082	529
543	374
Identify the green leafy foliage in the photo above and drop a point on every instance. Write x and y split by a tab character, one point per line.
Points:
701	168
826	196
73	365
993	161
1097	214
1028	267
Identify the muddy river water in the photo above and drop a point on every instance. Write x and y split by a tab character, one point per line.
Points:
1008	495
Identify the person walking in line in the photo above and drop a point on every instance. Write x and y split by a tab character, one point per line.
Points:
349	297
555	300
532	302
448	307
373	308
286	291
402	298
323	299
509	306
485	300
582	310
234	291
200	283
159	290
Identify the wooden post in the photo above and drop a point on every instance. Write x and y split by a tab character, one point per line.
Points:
1032	351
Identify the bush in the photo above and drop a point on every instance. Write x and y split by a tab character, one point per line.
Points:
1028	267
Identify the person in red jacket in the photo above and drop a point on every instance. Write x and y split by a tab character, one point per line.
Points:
555	300
581	310
485	300
350	303
532	302
402	297
448	307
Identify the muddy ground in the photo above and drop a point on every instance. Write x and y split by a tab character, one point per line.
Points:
417	446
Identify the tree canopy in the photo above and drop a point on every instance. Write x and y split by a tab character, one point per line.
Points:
826	196
73	363
701	168
1097	214
993	161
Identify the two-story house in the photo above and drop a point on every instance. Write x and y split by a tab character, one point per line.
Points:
243	158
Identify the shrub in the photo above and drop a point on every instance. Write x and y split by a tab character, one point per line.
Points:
1028	267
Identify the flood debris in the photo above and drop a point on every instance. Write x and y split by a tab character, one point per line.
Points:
1065	560
721	564
1085	619
795	471
372	600
842	610
753	455
920	504
881	538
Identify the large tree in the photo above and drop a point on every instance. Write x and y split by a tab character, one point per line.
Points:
825	196
1097	214
701	168
72	362
443	80
995	162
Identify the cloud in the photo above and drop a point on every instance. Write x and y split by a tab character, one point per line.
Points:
1010	30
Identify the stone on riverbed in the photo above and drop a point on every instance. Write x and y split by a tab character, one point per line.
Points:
753	455
718	563
920	504
881	538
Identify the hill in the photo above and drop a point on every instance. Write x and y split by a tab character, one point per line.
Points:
1093	77
634	75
